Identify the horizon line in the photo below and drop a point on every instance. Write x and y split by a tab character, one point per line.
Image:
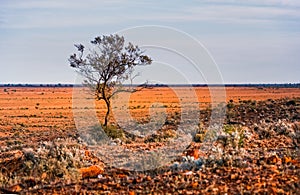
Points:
294	85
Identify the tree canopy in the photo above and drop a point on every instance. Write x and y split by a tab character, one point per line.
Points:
107	65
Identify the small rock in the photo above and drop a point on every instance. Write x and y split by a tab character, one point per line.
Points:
92	171
15	188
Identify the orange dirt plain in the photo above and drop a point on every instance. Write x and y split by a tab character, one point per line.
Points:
49	108
41	152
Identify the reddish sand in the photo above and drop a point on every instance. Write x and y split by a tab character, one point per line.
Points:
51	108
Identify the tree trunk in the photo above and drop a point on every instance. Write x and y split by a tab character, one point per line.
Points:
107	112
107	102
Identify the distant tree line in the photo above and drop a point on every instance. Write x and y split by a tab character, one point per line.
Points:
283	85
37	85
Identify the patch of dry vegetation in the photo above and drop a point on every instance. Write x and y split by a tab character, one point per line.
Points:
256	151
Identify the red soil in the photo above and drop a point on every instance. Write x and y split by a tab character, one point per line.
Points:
40	109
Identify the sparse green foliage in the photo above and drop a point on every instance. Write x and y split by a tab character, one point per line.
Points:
114	132
161	136
234	135
107	65
230	105
56	161
229	129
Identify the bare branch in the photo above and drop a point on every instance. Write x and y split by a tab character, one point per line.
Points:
108	64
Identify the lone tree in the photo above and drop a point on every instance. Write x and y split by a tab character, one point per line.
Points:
107	65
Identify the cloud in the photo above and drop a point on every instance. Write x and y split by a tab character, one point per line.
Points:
59	14
286	3
58	4
242	35
255	13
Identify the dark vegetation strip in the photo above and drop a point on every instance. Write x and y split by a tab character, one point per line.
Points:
267	85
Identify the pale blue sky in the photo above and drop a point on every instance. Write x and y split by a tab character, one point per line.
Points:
256	41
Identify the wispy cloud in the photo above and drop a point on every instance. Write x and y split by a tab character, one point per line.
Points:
55	13
32	29
287	3
229	12
59	4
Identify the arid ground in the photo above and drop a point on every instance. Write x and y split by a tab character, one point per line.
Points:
257	150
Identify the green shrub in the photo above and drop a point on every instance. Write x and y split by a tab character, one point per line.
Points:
229	128
114	132
230	105
235	135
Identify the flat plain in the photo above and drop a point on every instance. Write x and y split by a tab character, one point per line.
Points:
46	109
266	119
